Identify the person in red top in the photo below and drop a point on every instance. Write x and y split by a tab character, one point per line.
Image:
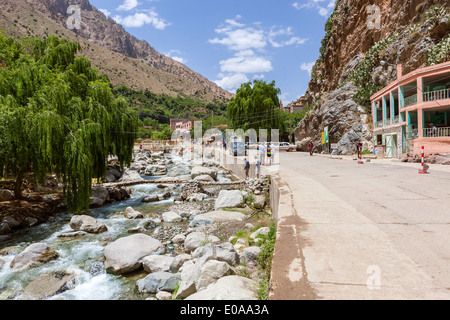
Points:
311	148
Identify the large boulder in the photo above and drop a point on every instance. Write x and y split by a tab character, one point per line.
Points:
132	214
171	217
156	263
179	170
228	288
216	216
48	285
229	199
158	281
197	239
87	224
205	178
125	255
131	175
201	171
155	170
33	256
217	251
6	195
210	272
100	196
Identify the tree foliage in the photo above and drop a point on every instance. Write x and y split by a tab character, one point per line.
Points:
256	107
58	115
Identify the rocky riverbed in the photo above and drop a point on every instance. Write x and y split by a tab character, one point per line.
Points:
150	241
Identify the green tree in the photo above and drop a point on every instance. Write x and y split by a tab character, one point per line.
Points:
58	115
256	107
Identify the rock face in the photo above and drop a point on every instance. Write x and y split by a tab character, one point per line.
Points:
228	288
124	255
229	199
347	122
33	256
348	41
87	224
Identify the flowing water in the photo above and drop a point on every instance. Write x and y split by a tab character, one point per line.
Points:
81	256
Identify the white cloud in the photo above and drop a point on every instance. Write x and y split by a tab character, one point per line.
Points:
175	55
140	19
128	5
323	7
105	12
249	44
231	82
307	66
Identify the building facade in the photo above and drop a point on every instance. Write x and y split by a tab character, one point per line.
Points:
413	112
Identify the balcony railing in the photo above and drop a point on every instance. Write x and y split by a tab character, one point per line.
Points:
379	124
436	132
396	119
436	95
412	100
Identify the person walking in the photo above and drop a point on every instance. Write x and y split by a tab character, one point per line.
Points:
258	168
262	154
269	154
246	168
311	148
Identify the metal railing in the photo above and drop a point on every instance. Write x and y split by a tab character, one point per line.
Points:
410	101
379	124
436	132
436	95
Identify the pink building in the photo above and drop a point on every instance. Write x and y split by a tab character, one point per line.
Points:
414	111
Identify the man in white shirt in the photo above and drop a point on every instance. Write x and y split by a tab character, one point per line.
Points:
262	154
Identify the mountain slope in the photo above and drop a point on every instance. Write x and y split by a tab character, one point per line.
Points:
123	58
350	66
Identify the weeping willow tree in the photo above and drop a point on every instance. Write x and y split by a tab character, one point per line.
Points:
58	115
255	107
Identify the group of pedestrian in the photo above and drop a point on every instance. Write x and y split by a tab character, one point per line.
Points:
266	155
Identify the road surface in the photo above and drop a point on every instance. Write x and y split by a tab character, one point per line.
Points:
349	231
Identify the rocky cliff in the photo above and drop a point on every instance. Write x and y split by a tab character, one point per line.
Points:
359	39
123	58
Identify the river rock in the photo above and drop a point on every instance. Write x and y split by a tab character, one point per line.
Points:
124	255
131	175
263	231
228	288
229	199
164	296
72	235
171	217
100	196
87	224
132	214
48	285
179	261
33	256
6	195
158	281
179	170
216	216
13	223
5	228
250	255
197	197
216	251
179	238
210	272
197	239
155	263
155	170
200	171
204	178
150	199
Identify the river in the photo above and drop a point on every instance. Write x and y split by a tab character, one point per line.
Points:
84	256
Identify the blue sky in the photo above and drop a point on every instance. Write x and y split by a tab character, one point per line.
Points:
232	41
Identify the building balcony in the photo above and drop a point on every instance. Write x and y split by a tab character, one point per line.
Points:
436	132
436	95
407	102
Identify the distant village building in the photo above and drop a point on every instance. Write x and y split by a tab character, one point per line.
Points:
296	106
181	125
413	112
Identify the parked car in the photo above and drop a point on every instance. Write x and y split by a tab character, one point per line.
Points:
286	146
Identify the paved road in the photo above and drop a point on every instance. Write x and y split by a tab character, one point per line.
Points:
373	231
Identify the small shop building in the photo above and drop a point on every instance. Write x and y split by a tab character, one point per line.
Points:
413	112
